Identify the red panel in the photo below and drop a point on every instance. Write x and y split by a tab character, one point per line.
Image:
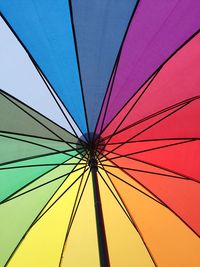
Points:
183	159
183	124
138	147
145	125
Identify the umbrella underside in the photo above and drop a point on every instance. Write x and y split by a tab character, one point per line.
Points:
99	133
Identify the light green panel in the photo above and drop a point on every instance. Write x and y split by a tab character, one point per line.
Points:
18	214
13	179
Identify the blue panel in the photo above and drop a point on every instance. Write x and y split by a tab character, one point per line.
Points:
100	26
45	29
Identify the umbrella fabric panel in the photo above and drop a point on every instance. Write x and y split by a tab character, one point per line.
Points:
47	236
74	177
184	161
134	130
54	145
49	39
102	114
15	176
16	117
14	150
99	28
81	244
182	124
135	147
138	83
114	124
127	161
170	241
20	78
116	171
125	245
155	33
15	147
177	81
33	199
180	194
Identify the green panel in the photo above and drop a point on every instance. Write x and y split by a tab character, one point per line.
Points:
14	119
54	144
13	179
50	176
12	150
15	150
18	214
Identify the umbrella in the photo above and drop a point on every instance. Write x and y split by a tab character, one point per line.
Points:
99	133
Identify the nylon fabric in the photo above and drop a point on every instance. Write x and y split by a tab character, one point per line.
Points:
49	39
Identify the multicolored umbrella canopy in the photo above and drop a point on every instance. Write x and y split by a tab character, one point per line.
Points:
99	133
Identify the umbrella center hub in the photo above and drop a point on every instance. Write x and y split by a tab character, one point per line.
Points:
93	147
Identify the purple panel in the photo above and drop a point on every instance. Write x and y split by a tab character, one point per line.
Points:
156	31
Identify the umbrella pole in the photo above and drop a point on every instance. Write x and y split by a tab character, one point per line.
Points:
103	249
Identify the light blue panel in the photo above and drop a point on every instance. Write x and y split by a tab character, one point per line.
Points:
100	26
44	27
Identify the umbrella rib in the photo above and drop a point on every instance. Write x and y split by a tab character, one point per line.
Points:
154	140
34	143
159	201
179	175
39	165
127	215
8	96
134	187
34	157
56	101
157	113
111	80
38	69
38	120
77	206
34	221
77	201
40	145
134	104
147	128
78	178
160	66
124	210
144	171
35	136
78	65
74	211
114	70
155	148
30	190
37	179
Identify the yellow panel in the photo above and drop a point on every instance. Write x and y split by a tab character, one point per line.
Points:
110	185
42	246
81	248
170	241
124	243
70	179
